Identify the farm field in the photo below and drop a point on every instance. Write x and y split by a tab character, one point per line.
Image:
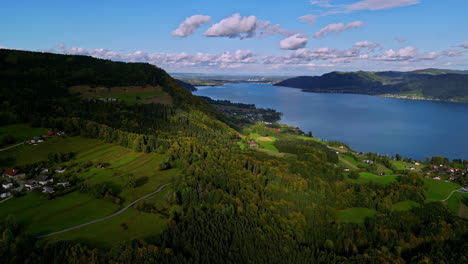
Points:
129	94
21	132
438	190
42	216
405	205
355	215
365	177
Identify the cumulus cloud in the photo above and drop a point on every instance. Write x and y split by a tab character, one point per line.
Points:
380	4
240	27
309	19
339	27
294	42
167	60
190	25
360	56
464	45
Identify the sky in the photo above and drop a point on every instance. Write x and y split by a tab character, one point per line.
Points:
294	37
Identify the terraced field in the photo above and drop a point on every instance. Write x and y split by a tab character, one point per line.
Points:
42	216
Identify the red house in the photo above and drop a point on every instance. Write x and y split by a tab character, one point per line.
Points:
49	133
13	173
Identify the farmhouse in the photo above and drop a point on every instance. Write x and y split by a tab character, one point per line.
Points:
31	185
43	180
13	174
7	186
5	195
368	161
64	184
47	189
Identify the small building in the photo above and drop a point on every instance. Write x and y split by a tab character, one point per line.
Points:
64	184
60	170
7	186
47	189
60	133
44	171
13	173
43	180
31	185
346	169
49	133
368	161
5	195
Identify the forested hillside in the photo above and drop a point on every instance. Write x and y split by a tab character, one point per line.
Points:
230	204
422	84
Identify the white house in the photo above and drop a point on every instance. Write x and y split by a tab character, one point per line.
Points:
64	184
7	185
47	189
5	195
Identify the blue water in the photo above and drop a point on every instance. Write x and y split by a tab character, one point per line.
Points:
411	128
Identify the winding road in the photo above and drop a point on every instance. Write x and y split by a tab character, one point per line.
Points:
107	217
450	195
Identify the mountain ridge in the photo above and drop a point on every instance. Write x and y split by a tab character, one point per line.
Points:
431	84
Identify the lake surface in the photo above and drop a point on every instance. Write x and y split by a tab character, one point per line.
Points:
411	128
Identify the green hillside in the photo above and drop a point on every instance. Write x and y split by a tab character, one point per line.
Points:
171	182
436	84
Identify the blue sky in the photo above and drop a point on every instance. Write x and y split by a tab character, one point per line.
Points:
254	37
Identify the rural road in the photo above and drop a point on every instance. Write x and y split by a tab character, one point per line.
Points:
450	195
107	217
7	148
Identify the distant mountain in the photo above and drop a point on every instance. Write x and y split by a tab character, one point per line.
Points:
434	84
439	71
187	85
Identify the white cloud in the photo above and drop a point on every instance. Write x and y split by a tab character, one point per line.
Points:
464	45
294	42
363	55
309	19
339	27
237	26
321	3
190	25
380	4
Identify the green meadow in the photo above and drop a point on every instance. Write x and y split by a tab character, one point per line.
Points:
42	216
438	190
355	215
21	132
405	205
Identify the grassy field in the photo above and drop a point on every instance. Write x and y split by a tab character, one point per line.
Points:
107	233
405	205
42	216
129	94
365	177
438	190
354	215
21	132
353	161
454	203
